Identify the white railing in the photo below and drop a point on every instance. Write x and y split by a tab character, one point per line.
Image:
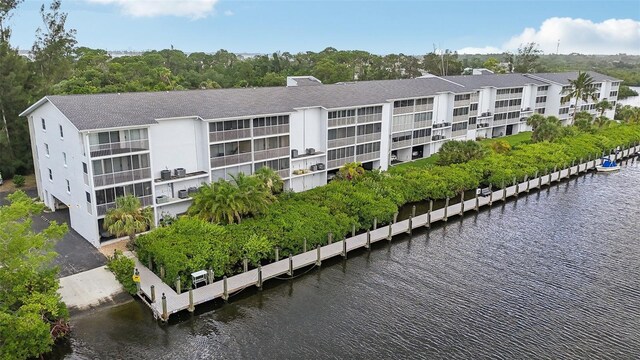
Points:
401	144
460	118
422	124
460	103
230	160
119	147
121	176
339	162
104	208
271	153
341	142
369	118
421	140
368	137
402	127
459	133
271	130
402	110
283	173
229	135
342	121
421	108
368	156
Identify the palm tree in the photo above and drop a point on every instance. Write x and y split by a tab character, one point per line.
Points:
602	121
583	121
351	171
603	106
218	202
252	192
547	130
128	218
581	89
270	179
535	120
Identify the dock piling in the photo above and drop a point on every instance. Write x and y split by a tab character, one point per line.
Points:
477	207
162	272
462	203
526	177
259	284
290	272
368	244
395	217
446	209
330	238
209	276
245	265
153	293
277	254
344	248
353	230
191	307
504	192
304	245
428	224
413	214
490	195
390	232
375	223
178	289
225	290
318	259
165	314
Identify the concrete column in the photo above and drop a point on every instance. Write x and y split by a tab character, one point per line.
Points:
225	289
153	294
290	265
318	258
191	307
165	314
446	209
259	284
178	285
368	245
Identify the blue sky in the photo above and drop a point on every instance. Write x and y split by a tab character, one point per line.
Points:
382	27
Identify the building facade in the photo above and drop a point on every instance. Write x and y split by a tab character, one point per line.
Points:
90	149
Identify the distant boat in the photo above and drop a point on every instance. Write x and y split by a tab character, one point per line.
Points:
608	165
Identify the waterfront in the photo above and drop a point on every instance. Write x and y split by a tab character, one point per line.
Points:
632	100
535	278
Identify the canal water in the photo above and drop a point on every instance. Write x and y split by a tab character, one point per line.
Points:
632	100
553	275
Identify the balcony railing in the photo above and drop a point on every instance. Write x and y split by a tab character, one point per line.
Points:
271	153
339	162
508	96
230	160
499	122
369	118
368	156
402	110
459	133
400	144
368	138
441	125
474	98
482	125
460	118
402	127
121	177
421	140
422	124
461	103
342	121
119	147
341	142
427	107
229	135
271	130
438	137
144	201
284	173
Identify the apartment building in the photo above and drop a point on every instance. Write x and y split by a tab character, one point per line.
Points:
161	146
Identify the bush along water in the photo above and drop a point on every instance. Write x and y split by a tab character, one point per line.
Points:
194	243
122	267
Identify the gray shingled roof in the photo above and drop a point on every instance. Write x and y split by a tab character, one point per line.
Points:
563	78
100	111
473	82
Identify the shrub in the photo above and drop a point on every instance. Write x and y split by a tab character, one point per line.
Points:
18	180
122	267
456	152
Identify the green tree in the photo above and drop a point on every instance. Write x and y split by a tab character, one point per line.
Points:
526	60
456	152
351	171
32	315
603	106
581	89
500	146
535	120
583	121
493	64
128	218
270	179
548	129
602	122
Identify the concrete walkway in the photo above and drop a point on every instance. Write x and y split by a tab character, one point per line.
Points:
90	289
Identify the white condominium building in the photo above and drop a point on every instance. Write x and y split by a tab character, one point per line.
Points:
160	146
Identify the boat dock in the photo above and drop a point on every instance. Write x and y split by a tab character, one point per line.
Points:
164	301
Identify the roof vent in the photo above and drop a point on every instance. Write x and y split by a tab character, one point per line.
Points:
302	81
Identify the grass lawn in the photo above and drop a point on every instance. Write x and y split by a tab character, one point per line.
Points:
513	140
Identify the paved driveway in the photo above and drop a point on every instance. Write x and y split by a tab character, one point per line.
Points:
75	254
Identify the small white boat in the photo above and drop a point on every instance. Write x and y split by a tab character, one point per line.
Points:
608	165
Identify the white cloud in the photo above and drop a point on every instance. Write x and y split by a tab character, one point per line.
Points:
610	36
194	9
482	50
229	13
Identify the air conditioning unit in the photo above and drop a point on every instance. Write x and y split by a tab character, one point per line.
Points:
165	174
182	194
162	199
180	172
192	190
294	153
314	168
311	151
320	166
488	113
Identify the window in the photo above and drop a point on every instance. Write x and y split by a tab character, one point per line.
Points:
541	99
64	158
367	148
472	120
340	114
88	197
459	126
68	187
462	97
268	121
84	168
613	94
425	101
44	125
540	111
473	107
425	116
61	132
271	143
370	110
340	153
46	149
563	111
422	133
401	137
403	103
369	129
460	111
50	175
278	164
543	88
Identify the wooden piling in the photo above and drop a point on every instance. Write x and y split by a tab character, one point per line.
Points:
153	293
191	307
490	196
446	209
178	287
165	314
304	245
344	248
290	272
225	289
428	224
245	265
413	214
504	192
353	230
330	238
395	217
375	223
277	249
390	235
477	207
368	244
526	177
462	203
162	272
210	277
318	259
259	284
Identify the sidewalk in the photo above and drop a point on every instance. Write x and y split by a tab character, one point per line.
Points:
91	289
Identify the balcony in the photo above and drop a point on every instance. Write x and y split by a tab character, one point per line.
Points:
482	125
271	130
368	138
271	153
460	103
460	118
400	144
341	142
229	135
121	147
284	173
402	127
187	176
509	96
459	133
342	121
526	110
144	201
474	98
422	124
422	108
368	156
339	162
485	115
403	110
499	122
362	119
438	137
442	125
221	161
421	140
121	177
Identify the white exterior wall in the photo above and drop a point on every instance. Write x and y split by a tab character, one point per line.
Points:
175	144
82	221
385	135
308	129
553	100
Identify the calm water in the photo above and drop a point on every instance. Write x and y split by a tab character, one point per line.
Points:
555	275
632	100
